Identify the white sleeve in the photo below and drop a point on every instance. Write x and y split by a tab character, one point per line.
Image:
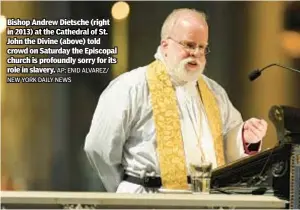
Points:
108	133
232	129
234	146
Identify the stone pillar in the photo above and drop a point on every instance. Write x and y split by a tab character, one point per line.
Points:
265	25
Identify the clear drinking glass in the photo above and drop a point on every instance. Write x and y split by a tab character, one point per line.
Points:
200	177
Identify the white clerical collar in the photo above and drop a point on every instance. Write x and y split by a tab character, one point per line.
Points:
175	80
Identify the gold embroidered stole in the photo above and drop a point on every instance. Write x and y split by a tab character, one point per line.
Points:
170	146
214	119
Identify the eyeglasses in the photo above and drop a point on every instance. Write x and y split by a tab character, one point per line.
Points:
191	47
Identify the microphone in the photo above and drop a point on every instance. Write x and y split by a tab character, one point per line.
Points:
256	73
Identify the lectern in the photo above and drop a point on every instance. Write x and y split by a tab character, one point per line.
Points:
275	171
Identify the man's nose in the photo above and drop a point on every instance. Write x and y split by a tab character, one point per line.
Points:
196	53
198	56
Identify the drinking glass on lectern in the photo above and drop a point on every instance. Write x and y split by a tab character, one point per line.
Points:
200	177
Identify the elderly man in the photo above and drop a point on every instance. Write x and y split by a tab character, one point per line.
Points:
152	122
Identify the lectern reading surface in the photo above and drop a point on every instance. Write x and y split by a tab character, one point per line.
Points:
275	171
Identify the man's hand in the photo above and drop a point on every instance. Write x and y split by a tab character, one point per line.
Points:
254	130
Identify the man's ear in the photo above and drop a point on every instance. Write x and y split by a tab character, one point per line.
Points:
164	45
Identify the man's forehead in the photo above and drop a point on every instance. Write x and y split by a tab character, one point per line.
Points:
191	28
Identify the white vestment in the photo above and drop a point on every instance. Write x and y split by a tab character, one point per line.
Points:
122	133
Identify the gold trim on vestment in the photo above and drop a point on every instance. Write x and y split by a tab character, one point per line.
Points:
170	147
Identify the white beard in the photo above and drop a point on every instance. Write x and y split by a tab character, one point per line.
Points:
181	75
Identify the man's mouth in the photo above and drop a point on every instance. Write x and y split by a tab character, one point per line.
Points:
192	63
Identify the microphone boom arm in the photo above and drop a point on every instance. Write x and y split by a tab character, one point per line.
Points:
255	74
274	64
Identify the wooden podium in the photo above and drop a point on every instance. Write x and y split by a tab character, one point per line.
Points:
275	171
83	200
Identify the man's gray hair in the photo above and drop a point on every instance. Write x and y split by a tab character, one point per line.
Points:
172	18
